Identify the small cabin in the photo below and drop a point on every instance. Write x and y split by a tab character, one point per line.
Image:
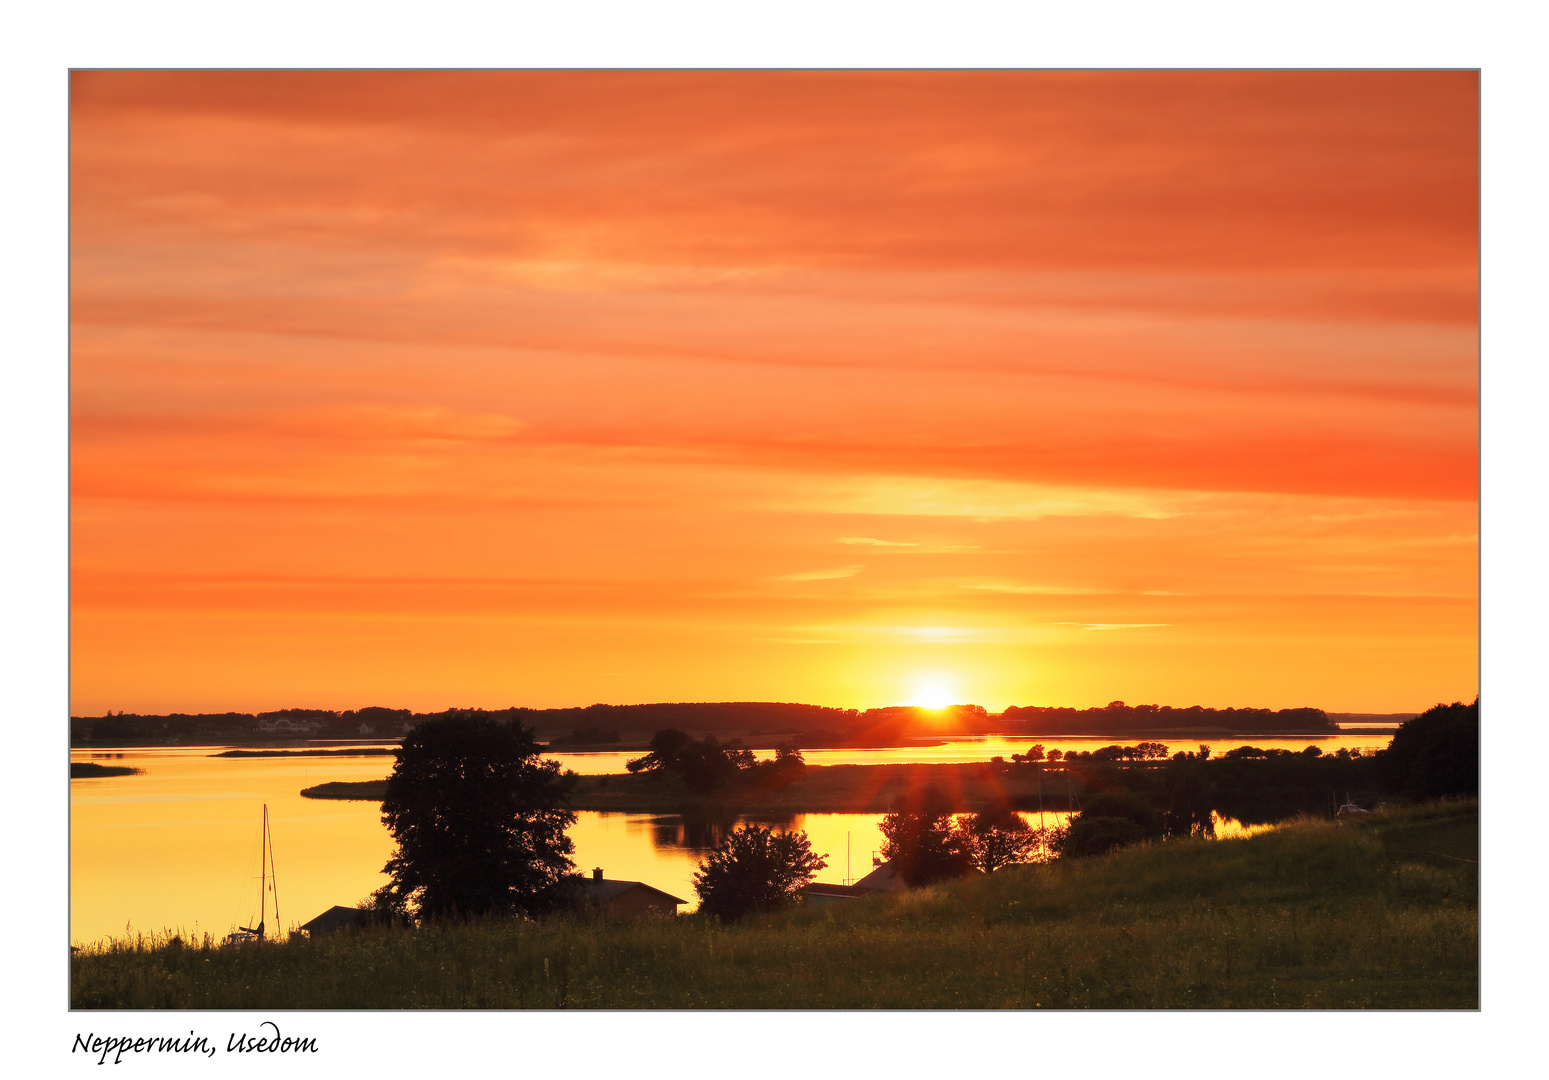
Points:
631	898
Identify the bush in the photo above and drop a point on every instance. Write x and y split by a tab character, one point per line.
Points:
922	843
996	838
1099	835
755	869
1111	819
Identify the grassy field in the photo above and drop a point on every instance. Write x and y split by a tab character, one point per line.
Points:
1314	914
824	789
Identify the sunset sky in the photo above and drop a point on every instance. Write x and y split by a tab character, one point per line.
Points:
552	388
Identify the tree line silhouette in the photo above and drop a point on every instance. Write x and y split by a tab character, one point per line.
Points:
812	726
1116	718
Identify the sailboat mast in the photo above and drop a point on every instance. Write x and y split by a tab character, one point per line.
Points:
263	882
274	879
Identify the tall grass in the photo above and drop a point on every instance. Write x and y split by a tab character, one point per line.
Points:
1312	914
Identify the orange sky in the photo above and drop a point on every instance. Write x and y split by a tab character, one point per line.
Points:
552	388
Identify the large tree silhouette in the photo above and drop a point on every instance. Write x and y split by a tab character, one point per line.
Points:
1436	754
479	822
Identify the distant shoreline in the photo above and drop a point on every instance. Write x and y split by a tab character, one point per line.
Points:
763	741
760	725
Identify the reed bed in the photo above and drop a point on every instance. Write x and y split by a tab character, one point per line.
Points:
1313	914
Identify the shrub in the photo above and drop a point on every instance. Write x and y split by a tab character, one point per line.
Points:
755	869
921	841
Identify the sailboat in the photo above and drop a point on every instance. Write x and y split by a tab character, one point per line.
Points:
1349	809
265	886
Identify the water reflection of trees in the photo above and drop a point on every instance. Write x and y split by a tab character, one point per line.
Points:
702	832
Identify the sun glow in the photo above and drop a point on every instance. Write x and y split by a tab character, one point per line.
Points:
931	693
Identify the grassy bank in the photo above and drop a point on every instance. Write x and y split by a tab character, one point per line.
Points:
824	789
87	770
1314	914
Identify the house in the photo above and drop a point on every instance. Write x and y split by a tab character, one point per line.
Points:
819	893
339	918
885	878
633	898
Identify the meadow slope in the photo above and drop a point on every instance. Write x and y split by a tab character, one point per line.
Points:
1314	914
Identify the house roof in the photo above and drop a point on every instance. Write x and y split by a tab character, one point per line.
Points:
823	888
335	918
883	877
601	892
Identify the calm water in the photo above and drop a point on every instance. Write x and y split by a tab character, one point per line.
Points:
177	847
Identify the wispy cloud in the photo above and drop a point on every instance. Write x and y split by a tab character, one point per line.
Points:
823	575
984	500
1038	590
910	547
1111	626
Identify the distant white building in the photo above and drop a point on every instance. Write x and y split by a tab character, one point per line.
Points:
282	725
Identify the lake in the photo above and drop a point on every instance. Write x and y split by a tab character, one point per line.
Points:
177	848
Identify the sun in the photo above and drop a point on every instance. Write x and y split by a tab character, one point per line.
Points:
931	693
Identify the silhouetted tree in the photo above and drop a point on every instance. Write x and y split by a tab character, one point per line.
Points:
662	751
921	841
707	765
1089	835
1111	819
755	869
479	822
995	838
1436	753
787	767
